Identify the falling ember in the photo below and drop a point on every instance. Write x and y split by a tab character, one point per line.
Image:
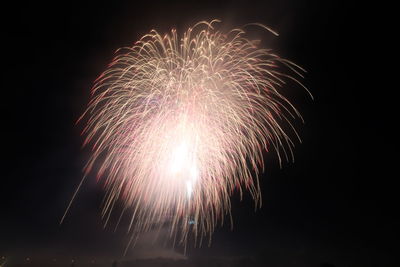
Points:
177	123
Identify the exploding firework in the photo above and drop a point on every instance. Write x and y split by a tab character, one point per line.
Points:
177	123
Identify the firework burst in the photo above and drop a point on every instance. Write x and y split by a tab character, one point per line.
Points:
177	123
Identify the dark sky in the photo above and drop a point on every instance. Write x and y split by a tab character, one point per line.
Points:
336	203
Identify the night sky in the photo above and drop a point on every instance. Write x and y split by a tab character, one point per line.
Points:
336	203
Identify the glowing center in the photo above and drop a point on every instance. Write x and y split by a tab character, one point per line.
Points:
184	167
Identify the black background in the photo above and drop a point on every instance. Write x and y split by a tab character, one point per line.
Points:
336	203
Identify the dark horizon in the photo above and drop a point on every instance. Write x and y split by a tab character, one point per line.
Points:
336	204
